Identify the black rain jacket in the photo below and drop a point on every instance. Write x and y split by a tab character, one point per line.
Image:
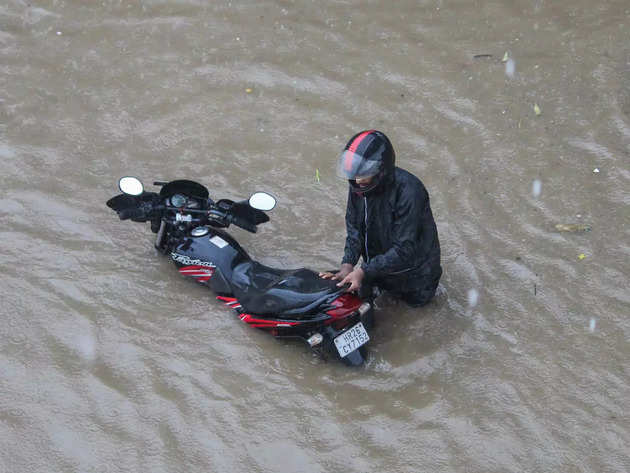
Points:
393	229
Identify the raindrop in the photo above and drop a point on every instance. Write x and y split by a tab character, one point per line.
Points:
510	66
58	33
536	187
473	297
86	346
591	325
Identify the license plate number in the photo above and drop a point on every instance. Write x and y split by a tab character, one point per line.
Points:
351	339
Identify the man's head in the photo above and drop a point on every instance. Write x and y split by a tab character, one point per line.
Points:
367	160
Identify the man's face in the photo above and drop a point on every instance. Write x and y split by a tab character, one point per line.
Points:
364	181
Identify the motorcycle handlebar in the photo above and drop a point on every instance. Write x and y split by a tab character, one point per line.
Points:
143	212
244	224
131	213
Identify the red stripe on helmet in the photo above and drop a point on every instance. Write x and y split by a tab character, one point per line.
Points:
347	163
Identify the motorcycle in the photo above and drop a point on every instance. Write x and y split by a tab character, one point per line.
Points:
190	228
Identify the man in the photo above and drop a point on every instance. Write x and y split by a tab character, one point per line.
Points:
388	222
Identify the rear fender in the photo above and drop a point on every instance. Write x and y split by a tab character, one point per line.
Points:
354	358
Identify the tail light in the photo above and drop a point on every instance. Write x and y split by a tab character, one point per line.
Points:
315	339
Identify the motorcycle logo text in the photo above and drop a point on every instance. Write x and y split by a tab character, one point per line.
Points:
183	259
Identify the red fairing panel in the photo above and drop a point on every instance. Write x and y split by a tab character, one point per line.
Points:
345	305
252	320
262	323
230	302
200	273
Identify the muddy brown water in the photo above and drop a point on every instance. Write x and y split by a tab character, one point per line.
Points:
112	362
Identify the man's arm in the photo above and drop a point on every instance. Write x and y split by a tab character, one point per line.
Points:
410	216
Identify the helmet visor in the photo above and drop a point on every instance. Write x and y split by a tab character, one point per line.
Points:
352	165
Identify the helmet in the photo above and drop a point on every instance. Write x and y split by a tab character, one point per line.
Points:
367	154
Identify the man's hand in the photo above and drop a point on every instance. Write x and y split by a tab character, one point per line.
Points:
341	274
354	279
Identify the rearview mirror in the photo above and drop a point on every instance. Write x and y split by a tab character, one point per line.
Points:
130	185
262	201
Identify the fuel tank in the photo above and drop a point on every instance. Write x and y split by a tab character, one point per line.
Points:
209	255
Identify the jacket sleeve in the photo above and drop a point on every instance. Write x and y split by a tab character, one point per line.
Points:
408	235
352	251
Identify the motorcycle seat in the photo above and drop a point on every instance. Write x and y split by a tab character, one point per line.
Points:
293	293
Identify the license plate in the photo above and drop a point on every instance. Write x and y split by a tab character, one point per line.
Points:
351	339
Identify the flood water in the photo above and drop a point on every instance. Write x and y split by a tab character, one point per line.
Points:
516	116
